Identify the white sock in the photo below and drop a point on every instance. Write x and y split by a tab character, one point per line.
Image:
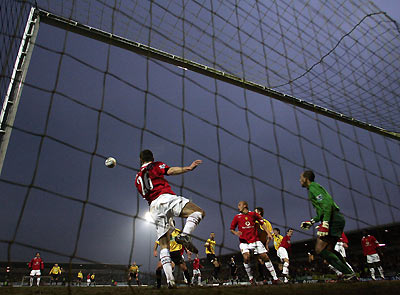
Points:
248	270
271	269
37	281
192	222
184	278
31	281
349	266
166	263
381	271
285	269
372	270
331	267
199	280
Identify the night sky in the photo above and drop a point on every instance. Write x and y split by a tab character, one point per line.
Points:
92	100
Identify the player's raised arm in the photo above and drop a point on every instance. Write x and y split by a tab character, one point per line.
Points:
181	170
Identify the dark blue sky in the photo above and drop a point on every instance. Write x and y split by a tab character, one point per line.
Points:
253	148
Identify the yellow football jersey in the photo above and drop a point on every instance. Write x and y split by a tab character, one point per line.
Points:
80	275
55	270
173	246
268	224
277	241
210	249
134	269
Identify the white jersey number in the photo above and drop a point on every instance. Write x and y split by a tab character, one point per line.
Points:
145	183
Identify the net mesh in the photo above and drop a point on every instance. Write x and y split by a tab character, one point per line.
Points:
341	55
84	100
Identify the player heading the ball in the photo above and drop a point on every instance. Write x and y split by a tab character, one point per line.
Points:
164	203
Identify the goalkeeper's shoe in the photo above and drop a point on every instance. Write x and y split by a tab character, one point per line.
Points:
350	277
186	242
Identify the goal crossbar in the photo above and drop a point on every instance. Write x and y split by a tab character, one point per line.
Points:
118	41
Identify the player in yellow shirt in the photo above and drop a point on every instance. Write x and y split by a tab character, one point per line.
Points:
80	277
176	252
55	273
133	273
210	252
265	238
277	238
93	279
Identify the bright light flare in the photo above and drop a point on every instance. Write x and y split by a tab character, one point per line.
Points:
148	217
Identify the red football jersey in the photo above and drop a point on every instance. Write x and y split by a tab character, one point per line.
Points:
36	263
150	181
369	245
343	239
196	263
246	224
286	243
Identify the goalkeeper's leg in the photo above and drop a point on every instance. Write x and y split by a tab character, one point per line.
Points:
322	248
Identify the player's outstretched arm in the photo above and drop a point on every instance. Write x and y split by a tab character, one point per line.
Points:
181	170
236	233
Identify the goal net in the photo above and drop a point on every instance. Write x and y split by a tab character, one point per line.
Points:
259	90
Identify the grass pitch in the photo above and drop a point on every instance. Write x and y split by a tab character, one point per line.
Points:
379	287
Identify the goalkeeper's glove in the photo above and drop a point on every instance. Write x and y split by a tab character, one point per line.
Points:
307	224
323	229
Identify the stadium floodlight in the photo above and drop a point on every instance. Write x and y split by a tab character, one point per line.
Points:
148	217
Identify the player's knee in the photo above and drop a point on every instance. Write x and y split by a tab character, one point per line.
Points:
202	212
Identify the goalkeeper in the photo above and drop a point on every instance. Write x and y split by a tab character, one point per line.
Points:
331	227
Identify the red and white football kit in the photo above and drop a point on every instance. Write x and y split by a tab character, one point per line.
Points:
340	245
36	265
196	270
155	189
369	245
150	181
249	239
284	248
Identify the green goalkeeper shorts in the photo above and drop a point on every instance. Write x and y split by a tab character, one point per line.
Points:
336	224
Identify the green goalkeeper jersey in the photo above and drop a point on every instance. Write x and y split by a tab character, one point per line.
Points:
322	202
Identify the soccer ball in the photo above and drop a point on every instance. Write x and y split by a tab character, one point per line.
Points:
110	162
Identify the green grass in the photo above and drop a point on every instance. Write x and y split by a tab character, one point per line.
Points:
380	287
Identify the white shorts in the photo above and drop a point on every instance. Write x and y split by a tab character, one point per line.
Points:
339	247
163	208
257	248
373	258
35	272
282	253
196	272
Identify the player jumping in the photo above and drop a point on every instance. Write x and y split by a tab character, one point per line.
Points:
164	203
